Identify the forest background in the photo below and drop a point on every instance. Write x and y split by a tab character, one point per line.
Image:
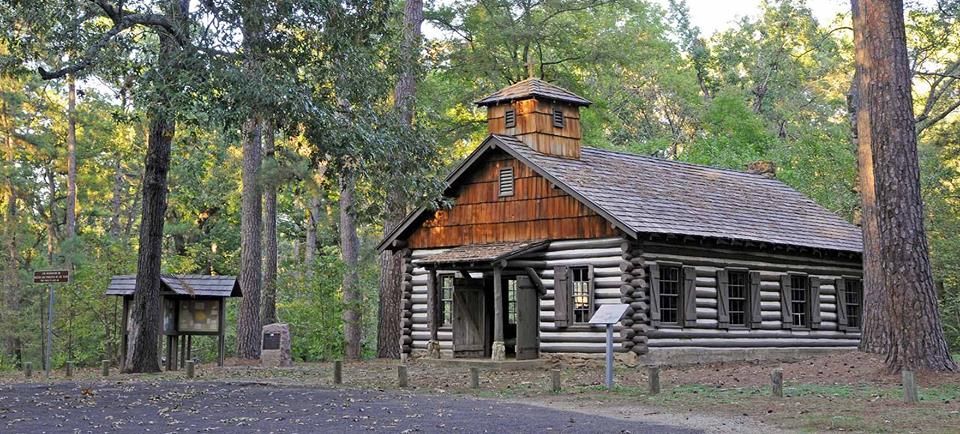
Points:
769	88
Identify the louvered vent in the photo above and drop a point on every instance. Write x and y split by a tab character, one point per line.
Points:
510	118
506	181
558	118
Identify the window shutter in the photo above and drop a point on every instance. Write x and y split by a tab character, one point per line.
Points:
841	302
561	296
814	302
593	304
558	118
786	308
654	294
689	296
723	299
510	118
756	309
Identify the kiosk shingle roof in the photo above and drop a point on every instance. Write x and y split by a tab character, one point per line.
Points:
191	285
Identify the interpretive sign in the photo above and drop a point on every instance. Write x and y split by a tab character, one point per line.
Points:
608	315
51	276
275	346
271	341
199	316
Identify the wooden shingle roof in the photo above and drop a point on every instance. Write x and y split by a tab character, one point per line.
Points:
533	88
647	195
483	253
653	195
190	285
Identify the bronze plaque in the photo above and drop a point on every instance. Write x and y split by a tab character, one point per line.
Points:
271	341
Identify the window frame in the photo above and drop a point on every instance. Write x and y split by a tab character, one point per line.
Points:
747	317
591	294
445	305
846	302
679	307
807	304
511	317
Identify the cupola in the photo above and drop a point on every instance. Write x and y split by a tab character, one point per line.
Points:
544	116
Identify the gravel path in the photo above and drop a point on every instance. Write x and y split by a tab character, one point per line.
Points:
167	407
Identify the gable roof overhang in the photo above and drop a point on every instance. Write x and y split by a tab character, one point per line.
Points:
487	255
491	143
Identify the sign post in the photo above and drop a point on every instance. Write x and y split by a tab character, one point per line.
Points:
608	315
50	277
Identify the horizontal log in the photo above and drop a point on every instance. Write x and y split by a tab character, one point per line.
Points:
754	265
584	244
752	343
577	347
690	333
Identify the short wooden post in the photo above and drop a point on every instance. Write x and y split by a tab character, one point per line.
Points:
474	378
555	380
190	368
338	372
69	369
776	379
28	369
105	368
653	376
402	376
910	395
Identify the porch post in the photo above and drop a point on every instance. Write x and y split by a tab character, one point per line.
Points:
499	348
433	346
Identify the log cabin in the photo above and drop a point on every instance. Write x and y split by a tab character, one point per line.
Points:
543	230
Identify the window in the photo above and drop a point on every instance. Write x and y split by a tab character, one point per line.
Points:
512	301
800	300
446	300
506	181
582	298
510	118
670	287
558	118
853	295
738	288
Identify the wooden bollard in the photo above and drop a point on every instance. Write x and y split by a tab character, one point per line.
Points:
190	368
776	380
28	369
653	376
105	368
910	395
402	376
474	378
338	372
69	369
555	380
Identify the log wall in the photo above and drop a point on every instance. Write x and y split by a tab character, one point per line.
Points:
706	334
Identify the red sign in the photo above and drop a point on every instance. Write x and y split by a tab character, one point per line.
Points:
51	276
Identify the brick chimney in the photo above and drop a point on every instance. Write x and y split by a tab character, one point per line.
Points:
544	116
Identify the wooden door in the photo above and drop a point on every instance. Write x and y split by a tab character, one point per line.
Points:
469	318
528	319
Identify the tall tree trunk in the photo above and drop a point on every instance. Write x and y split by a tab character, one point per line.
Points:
912	336
117	199
144	327
52	236
269	230
350	251
11	281
71	208
313	219
388	325
249	326
145	316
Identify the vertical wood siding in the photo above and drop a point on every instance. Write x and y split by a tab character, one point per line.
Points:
536	210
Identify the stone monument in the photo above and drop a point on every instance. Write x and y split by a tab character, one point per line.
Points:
275	346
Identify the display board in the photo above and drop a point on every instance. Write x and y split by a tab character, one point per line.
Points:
199	316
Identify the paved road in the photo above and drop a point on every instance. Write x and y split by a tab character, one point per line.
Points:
218	407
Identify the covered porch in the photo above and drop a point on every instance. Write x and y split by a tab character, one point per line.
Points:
488	297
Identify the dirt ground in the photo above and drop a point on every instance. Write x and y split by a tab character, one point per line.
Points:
843	392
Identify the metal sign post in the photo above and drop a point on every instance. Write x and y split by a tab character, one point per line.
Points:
608	315
51	277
